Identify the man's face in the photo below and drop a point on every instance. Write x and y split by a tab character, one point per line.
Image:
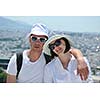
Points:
37	42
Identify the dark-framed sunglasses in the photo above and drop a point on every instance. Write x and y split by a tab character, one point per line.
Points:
41	39
57	43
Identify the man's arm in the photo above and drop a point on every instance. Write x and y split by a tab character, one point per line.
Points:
11	78
82	67
11	70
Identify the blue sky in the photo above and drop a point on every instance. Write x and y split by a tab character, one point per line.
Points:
66	23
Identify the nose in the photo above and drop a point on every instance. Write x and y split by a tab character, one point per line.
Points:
55	47
38	40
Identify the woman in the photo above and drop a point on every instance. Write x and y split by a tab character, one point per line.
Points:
63	67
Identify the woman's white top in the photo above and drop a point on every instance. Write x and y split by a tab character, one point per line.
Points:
55	73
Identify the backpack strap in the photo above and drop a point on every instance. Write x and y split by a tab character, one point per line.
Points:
19	60
47	58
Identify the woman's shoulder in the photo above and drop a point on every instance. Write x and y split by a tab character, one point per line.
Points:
73	58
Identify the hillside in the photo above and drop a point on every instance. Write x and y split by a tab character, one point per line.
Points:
9	27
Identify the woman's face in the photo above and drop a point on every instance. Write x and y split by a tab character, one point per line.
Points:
58	46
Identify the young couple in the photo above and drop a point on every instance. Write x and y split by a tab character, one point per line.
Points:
67	65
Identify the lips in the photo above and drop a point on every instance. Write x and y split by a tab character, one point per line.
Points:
36	46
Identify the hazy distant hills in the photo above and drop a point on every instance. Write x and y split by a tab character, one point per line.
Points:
8	26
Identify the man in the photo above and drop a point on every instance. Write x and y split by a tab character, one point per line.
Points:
34	61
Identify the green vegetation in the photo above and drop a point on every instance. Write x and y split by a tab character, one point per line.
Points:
3	76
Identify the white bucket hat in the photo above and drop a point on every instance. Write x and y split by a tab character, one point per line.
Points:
39	29
46	49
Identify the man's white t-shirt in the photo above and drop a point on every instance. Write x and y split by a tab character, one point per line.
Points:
30	71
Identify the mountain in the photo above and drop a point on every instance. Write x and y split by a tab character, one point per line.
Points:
10	26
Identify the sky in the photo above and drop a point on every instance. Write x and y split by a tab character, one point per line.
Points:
64	23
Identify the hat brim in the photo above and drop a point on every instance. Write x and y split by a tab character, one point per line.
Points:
46	49
38	33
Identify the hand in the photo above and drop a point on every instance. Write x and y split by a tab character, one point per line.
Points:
82	69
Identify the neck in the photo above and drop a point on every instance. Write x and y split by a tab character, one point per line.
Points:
65	58
33	55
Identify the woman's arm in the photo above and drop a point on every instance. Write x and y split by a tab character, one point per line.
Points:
82	67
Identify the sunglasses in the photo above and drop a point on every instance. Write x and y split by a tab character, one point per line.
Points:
41	39
57	43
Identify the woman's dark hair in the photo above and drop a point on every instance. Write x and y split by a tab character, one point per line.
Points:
68	46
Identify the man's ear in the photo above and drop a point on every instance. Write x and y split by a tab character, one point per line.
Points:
29	39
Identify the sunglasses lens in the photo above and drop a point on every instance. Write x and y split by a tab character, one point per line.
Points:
34	38
51	46
43	40
57	43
